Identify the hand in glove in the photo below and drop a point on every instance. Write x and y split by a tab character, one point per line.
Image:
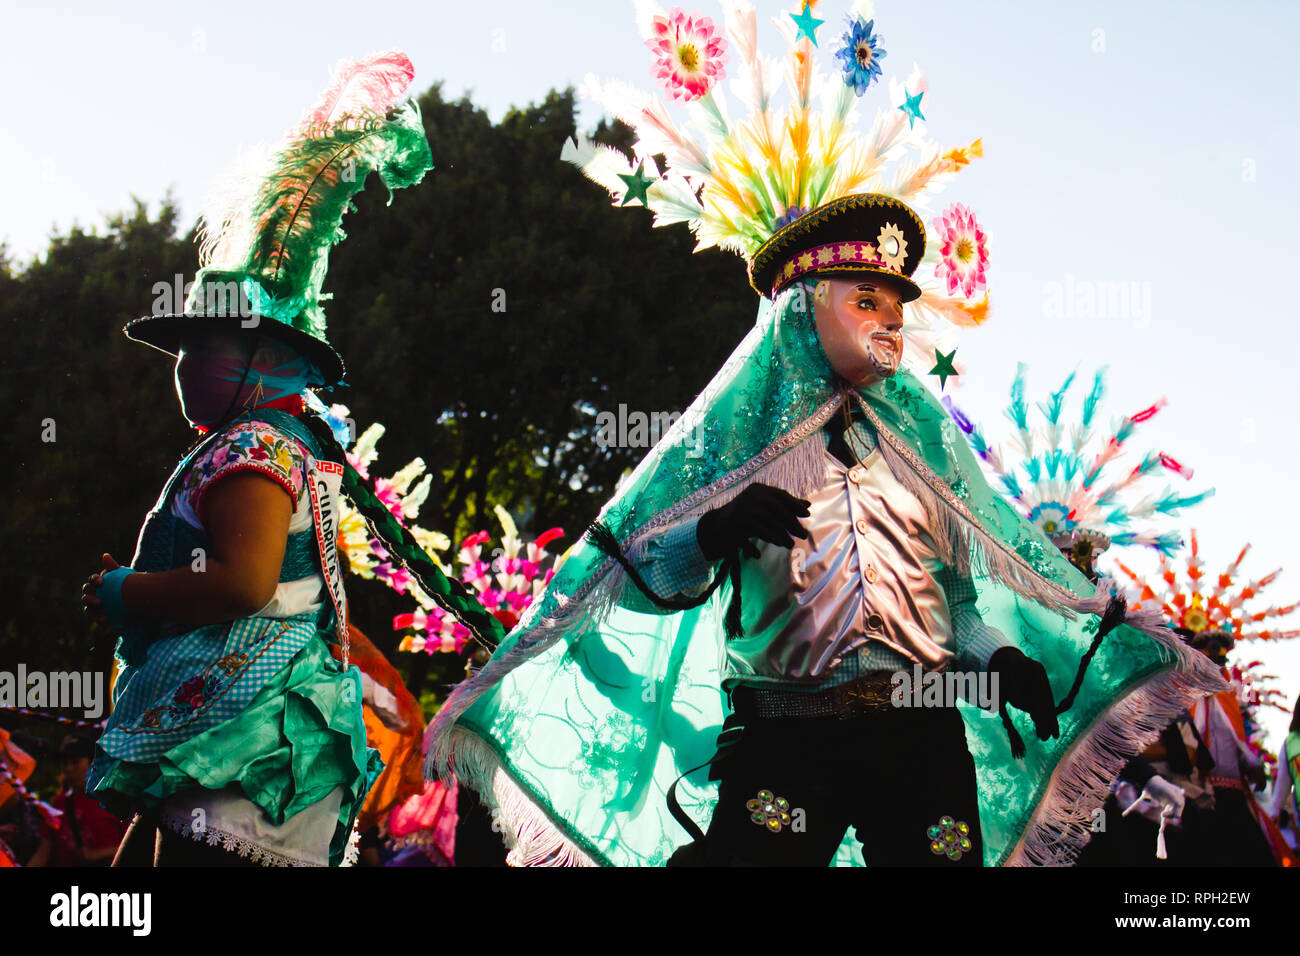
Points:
760	511
1023	683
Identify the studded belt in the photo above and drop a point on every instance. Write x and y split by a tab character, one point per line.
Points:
868	694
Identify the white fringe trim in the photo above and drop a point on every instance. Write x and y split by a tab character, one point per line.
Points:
1061	825
527	831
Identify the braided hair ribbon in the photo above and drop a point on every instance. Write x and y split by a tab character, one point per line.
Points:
448	593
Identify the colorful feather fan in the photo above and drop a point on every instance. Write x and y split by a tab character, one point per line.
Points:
1067	480
792	147
1226	606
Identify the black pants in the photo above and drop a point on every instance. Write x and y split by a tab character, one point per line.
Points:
1237	839
890	774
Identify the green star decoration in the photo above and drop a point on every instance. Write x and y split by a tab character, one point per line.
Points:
943	366
912	107
808	24
637	184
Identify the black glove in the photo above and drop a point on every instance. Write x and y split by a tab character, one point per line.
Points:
1023	683
760	511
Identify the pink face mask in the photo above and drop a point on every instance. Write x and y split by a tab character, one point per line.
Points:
215	379
858	323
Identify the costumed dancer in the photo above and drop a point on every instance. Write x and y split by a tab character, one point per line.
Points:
1070	479
1286	790
235	734
85	833
848	529
1213	619
1253	692
26	821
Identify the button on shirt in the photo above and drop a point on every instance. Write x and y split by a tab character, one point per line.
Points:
866	591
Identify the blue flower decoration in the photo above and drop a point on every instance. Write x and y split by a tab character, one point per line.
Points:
342	433
861	54
1053	517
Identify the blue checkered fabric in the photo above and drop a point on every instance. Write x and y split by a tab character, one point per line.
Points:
174	683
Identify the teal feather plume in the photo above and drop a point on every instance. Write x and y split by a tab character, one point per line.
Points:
299	209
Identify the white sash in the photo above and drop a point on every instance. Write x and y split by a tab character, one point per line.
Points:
324	481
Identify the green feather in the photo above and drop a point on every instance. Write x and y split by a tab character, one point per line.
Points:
300	205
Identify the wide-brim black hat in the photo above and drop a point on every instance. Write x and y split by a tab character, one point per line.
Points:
863	234
167	333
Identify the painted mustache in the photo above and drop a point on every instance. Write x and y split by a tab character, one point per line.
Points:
883	349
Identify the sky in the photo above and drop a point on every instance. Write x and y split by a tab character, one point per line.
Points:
1142	146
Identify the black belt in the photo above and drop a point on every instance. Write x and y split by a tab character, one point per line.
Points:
870	693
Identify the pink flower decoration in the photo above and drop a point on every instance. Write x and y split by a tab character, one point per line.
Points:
415	619
477	538
689	54
397	578
191	693
387	494
546	537
963	250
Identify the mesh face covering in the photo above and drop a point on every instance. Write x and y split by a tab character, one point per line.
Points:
589	709
216	379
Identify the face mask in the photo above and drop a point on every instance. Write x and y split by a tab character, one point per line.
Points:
216	379
863	344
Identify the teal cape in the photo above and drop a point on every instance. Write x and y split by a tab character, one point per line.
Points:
592	706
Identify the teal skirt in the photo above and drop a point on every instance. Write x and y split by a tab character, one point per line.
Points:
299	737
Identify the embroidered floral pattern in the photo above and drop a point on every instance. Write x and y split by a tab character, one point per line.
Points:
247	445
194	692
197	693
231	663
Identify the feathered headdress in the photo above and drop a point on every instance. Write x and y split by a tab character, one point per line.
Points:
1066	479
792	155
265	239
1224	606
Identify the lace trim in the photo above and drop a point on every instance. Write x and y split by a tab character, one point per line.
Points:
232	843
353	851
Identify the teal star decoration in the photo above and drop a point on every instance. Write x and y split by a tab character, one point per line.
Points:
808	24
912	107
943	366
637	184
